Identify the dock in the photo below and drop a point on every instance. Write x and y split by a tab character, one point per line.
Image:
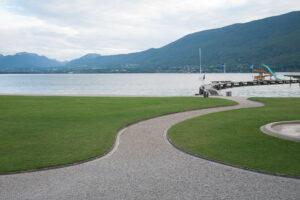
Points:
259	79
296	76
219	85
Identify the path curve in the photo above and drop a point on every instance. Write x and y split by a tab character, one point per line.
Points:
145	166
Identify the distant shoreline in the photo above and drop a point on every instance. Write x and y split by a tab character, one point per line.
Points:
138	72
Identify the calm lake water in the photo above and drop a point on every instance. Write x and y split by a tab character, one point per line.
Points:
133	84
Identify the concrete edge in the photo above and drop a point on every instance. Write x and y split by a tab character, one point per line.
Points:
267	129
169	141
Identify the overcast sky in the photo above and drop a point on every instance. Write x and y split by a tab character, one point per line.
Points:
67	29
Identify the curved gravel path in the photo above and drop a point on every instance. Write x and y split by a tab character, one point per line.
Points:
143	165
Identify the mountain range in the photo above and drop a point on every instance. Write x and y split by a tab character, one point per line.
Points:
274	41
28	62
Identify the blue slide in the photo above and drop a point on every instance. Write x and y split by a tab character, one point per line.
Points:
272	73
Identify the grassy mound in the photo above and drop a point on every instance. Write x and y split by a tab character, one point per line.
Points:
234	137
38	132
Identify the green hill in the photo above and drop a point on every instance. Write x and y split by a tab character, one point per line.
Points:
274	41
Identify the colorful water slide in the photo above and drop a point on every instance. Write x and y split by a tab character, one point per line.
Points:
269	69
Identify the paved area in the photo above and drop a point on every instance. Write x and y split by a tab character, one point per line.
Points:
145	166
287	130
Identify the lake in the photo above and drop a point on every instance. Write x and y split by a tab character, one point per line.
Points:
156	84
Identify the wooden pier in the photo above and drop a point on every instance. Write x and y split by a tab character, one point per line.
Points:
219	85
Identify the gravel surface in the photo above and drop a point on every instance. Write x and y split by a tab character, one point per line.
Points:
143	165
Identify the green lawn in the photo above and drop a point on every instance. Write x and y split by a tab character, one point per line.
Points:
37	132
234	137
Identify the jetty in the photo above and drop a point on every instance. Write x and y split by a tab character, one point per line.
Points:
259	79
219	85
296	76
215	86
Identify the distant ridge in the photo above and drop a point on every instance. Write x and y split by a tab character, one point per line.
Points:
27	62
274	41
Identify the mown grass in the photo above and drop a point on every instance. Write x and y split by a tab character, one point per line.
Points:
38	132
234	137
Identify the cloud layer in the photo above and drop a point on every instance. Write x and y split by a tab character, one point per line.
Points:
71	28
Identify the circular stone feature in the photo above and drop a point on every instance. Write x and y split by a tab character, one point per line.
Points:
288	130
